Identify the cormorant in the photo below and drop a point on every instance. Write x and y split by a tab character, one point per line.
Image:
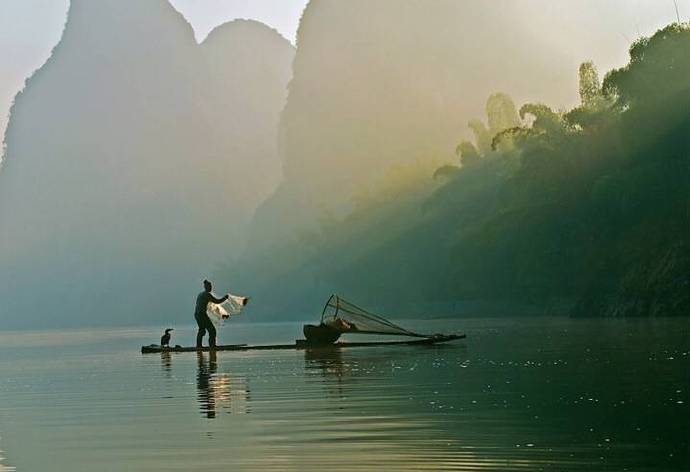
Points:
165	339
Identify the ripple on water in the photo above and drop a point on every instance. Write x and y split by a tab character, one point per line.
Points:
512	397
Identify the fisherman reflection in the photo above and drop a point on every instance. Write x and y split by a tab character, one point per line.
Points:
216	391
205	394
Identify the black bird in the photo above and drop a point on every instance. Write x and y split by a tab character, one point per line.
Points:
165	339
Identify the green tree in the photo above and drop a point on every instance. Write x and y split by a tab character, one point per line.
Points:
658	67
544	118
467	153
590	86
501	113
481	136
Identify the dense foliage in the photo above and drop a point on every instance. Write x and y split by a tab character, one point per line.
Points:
584	212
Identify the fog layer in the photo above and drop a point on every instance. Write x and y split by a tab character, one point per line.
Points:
135	156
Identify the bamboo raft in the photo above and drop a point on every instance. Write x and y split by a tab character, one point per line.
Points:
303	344
337	318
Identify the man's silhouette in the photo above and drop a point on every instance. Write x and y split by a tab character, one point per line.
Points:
201	317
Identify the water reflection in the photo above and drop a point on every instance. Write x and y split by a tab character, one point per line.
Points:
219	390
518	396
329	364
206	395
166	363
373	405
5	468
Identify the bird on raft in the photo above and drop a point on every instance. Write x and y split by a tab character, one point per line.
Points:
165	339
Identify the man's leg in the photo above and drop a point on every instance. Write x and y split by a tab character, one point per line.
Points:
211	334
200	333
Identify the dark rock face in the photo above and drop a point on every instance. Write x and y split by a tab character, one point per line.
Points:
658	286
134	159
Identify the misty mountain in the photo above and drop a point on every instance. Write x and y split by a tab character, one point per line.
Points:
383	83
134	160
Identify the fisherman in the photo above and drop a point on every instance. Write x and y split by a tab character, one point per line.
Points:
201	317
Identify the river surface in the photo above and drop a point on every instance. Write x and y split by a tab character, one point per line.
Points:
517	394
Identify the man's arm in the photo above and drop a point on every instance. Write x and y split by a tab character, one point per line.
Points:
218	300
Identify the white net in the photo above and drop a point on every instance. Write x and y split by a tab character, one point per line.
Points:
220	312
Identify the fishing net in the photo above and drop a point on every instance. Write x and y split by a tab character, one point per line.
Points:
220	312
347	317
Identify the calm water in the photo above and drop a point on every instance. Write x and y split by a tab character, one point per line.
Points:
520	394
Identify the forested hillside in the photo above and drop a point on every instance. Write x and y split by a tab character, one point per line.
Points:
582	212
381	83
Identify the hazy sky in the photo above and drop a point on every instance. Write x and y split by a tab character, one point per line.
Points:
30	28
205	15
